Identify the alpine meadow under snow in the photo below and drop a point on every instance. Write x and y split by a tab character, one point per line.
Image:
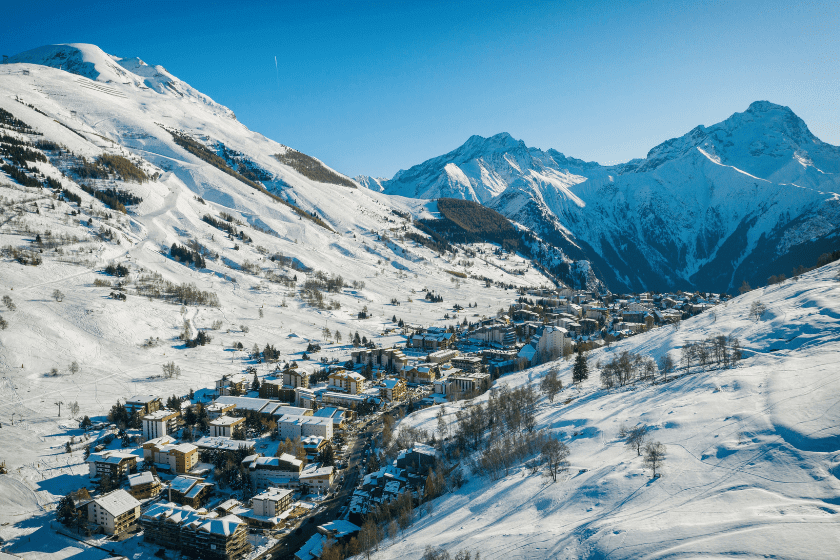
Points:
149	178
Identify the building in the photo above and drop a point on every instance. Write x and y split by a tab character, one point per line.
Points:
552	342
142	404
392	389
181	528
143	485
346	381
431	342
180	458
443	356
276	389
159	423
221	443
292	427
216	409
317	478
343	399
469	383
296	377
190	491
469	364
420	373
391	359
340	416
224	426
339	530
419	459
266	407
272	502
113	464
115	512
292	411
280	472
237	384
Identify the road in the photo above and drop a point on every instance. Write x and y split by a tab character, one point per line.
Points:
289	544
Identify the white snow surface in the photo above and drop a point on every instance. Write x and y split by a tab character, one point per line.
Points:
753	453
90	115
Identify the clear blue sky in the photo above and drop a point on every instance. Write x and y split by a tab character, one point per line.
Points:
372	87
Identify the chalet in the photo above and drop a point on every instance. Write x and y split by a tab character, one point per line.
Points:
159	423
114	512
421	373
392	389
143	485
313	445
346	382
190	491
113	464
431	342
225	426
296	377
182	528
142	404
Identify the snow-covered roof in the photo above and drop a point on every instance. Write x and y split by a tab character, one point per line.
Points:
162	414
141	399
246	403
273	494
140	478
117	502
112	456
222	442
183	484
312	548
226	421
338	528
226	525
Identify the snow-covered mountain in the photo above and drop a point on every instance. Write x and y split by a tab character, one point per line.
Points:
752	196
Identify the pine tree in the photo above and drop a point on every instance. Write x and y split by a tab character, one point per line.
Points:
66	513
255	385
580	372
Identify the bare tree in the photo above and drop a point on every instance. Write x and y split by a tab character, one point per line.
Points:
757	309
555	453
74	367
74	408
551	384
368	537
666	365
58	295
7	301
636	437
170	370
654	456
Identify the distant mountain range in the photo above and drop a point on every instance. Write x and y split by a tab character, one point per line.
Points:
749	197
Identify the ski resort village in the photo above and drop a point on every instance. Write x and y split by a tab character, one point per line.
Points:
215	346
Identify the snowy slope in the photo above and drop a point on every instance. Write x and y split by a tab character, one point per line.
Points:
752	196
753	453
92	103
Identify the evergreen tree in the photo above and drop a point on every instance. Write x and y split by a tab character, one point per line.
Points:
66	512
255	385
580	372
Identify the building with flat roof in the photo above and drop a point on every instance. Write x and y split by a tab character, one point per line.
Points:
142	404
271	502
177	458
159	423
224	426
221	443
279	472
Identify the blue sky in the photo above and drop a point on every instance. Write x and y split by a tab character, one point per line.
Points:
372	87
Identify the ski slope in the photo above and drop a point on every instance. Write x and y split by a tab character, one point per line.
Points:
753	453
